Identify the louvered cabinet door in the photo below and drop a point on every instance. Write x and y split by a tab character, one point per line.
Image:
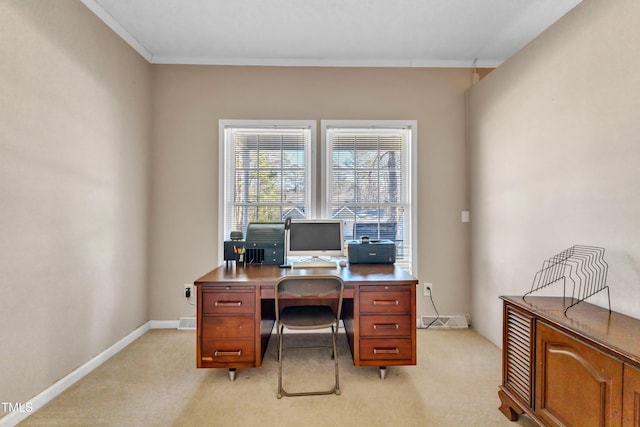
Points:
517	372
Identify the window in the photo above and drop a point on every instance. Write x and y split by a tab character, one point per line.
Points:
266	175
368	180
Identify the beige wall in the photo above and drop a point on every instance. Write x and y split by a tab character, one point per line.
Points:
109	182
74	131
554	142
189	101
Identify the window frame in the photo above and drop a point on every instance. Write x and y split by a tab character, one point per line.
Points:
226	162
325	168
319	186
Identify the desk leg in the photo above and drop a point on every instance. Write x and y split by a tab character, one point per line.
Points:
383	372
232	374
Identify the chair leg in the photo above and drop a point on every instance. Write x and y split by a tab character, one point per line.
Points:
334	335
280	330
334	390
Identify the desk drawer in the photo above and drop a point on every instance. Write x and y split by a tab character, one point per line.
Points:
387	325
392	301
228	302
225	351
227	327
385	349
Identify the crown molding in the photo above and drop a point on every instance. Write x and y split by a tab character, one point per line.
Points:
98	10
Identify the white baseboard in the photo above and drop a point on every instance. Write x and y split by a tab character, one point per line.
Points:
37	402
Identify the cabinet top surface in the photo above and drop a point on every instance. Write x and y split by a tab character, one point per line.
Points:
262	274
616	332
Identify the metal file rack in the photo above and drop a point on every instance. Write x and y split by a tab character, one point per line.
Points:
585	268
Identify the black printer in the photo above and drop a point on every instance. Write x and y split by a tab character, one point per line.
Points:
365	251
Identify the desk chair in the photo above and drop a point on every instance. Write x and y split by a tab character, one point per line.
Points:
306	303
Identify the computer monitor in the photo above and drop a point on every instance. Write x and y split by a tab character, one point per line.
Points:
316	238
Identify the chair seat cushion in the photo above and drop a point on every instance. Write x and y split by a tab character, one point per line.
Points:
307	317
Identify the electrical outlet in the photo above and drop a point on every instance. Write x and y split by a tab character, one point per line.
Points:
188	290
427	288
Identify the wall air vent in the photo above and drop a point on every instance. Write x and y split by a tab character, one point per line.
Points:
187	324
444	322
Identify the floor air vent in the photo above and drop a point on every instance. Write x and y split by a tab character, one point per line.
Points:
187	323
444	322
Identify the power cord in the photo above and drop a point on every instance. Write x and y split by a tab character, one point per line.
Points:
187	296
434	308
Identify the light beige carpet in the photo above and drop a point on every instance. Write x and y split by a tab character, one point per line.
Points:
154	382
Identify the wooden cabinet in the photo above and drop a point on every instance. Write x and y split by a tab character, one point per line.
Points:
578	369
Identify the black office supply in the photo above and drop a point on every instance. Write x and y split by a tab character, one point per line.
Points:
234	248
366	251
265	243
585	268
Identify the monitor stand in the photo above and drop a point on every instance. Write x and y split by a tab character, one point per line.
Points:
314	262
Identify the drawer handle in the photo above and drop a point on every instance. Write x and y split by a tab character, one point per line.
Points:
227	353
228	303
386	350
386	326
385	302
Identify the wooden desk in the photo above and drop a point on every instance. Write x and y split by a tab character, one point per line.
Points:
236	314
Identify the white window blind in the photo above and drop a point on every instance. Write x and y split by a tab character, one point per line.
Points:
368	182
267	174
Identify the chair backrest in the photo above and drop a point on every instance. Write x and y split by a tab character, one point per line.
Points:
322	286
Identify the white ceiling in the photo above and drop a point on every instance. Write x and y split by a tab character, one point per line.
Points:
407	33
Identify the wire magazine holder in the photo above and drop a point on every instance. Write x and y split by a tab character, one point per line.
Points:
585	268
